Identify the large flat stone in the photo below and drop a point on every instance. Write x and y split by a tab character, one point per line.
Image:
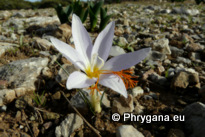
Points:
20	77
194	119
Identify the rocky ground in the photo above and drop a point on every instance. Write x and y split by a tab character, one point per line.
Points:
171	78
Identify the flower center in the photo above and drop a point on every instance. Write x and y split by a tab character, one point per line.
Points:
95	72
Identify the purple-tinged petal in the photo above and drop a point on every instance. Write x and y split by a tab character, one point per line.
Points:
79	80
114	82
70	53
81	38
126	61
103	42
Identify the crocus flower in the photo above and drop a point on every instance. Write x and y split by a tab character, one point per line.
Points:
92	60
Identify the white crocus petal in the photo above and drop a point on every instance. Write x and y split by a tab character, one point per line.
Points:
81	39
127	60
79	80
68	52
103	42
114	82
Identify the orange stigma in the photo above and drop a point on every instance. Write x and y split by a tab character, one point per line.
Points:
126	76
94	87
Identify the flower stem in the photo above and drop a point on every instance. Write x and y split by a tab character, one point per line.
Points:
95	101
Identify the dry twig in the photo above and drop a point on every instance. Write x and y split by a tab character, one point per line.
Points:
24	115
95	130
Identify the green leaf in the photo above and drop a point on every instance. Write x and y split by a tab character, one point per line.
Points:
91	4
104	22
93	20
80	10
21	40
61	14
96	8
68	10
103	13
85	16
102	98
106	9
130	48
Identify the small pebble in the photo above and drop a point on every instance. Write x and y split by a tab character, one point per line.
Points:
147	97
3	108
21	126
153	95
